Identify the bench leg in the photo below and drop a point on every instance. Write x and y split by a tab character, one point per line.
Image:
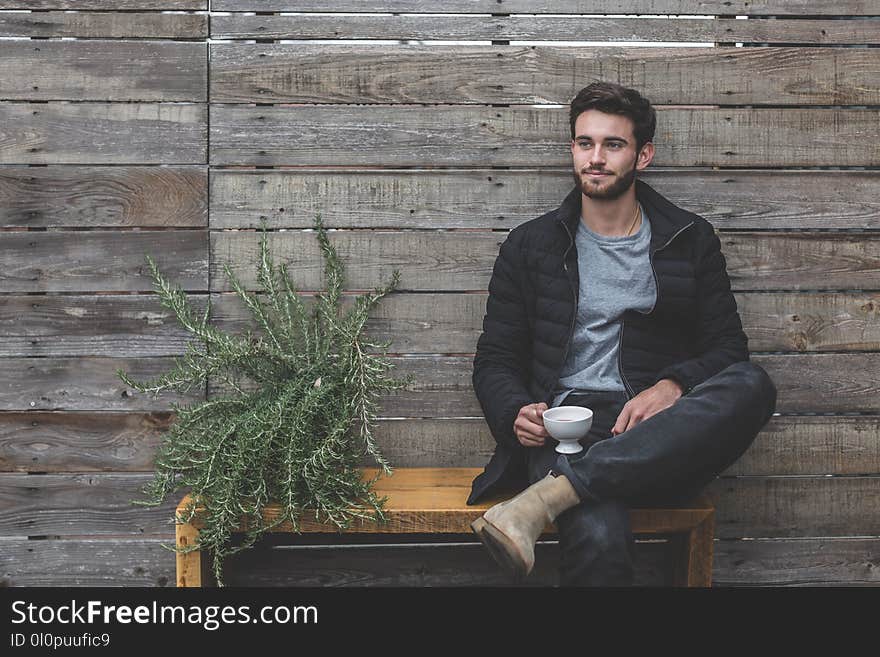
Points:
694	555
192	569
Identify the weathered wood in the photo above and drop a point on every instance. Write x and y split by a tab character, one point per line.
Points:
463	260
103	70
526	136
126	325
80	505
88	562
807	383
802	261
117	25
788	445
493	198
145	562
112	196
103	133
244	72
452	323
86	384
813	445
119	5
60	261
835	376
760	507
753	507
92	325
801	562
727	7
46	441
82	442
834	321
543	28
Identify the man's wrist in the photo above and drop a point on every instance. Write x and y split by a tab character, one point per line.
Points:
673	384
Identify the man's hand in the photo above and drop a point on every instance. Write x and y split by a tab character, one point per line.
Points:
529	425
651	401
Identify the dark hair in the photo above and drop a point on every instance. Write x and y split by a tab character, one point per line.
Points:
613	98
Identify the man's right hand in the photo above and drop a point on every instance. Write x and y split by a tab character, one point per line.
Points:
529	425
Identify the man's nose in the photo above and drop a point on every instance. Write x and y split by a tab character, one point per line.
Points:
597	155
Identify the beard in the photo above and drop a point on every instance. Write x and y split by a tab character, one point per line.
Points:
603	189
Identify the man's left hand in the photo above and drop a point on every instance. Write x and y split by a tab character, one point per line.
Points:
651	401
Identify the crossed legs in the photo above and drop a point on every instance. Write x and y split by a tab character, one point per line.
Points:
667	459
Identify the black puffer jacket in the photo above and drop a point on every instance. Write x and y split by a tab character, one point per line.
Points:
693	332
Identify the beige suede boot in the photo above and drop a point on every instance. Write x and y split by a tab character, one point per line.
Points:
510	529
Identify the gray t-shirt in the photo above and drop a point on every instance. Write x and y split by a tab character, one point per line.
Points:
615	276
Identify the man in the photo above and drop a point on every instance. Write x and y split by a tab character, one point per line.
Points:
619	301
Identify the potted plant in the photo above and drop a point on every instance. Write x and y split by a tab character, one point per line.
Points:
298	418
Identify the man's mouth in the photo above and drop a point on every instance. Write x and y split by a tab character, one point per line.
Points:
596	174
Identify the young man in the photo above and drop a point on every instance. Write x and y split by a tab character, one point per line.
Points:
619	301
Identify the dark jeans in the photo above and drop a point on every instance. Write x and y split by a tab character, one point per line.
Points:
665	460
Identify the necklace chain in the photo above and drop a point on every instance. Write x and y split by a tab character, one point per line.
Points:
638	212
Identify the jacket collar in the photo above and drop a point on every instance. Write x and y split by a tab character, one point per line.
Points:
667	219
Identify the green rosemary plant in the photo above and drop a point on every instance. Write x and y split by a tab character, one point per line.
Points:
296	432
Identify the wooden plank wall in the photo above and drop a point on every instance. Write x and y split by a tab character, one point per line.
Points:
139	135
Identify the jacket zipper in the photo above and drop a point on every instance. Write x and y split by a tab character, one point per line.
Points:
629	389
574	314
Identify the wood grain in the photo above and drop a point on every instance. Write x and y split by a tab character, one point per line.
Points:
525	136
105	25
503	199
86	384
432	261
752	507
126	441
451	323
119	5
104	197
39	441
103	133
684	7
92	325
429	323
807	383
543	28
61	261
84	505
326	73
103	70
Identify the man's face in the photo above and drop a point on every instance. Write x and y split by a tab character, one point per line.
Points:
605	144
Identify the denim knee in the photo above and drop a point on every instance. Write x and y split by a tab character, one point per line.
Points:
758	383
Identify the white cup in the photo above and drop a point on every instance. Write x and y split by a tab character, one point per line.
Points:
568	424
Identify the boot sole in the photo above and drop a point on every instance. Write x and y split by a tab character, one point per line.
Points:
502	549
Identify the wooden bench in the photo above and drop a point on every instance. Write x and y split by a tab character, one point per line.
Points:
432	501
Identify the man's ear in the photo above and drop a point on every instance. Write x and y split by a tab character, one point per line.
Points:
646	156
